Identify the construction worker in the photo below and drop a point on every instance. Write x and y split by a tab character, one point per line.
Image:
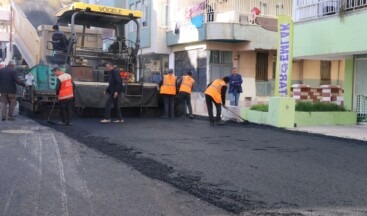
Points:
8	81
114	89
65	95
216	93
59	40
168	92
186	84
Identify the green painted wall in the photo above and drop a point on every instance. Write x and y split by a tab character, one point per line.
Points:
331	35
280	114
325	118
348	84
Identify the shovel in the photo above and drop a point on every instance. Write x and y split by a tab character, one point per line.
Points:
50	114
238	116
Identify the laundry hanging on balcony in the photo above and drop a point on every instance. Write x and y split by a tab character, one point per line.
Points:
191	16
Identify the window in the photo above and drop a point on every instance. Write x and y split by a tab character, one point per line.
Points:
264	8
145	13
165	16
262	66
220	57
325	72
279	9
138	5
132	26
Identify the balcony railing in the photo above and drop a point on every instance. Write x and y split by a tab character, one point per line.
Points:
235	10
231	11
313	9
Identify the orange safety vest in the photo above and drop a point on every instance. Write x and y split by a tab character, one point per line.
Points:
66	89
169	85
186	85
215	90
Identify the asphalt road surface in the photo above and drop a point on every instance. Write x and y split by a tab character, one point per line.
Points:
152	166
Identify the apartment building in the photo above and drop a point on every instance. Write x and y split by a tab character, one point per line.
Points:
154	54
213	36
4	26
331	47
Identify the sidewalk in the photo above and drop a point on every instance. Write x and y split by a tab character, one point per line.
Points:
348	131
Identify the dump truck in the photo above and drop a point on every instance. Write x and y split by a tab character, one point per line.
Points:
84	57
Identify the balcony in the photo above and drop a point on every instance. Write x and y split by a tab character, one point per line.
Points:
308	10
4	14
231	11
4	36
225	20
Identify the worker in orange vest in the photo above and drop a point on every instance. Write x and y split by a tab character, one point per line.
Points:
216	93
186	84
168	92
65	95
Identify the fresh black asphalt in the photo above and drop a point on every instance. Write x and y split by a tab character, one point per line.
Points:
239	168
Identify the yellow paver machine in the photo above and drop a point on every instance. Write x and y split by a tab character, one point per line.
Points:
95	36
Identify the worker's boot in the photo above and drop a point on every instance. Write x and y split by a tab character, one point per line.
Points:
219	122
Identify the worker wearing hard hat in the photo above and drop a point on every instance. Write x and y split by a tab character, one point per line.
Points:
216	93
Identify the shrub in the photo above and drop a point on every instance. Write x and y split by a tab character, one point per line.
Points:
305	106
260	107
318	107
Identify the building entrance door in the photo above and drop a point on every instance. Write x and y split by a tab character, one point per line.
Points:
360	88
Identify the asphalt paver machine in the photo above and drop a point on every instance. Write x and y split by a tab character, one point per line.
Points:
85	55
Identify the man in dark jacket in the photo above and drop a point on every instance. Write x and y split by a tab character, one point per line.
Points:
59	40
8	89
113	90
235	88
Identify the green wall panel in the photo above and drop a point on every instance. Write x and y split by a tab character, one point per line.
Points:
348	84
331	36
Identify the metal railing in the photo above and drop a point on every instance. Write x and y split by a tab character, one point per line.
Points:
361	106
313	9
231	11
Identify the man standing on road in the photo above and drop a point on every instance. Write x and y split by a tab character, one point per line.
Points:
216	93
186	84
65	95
113	90
235	88
8	89
168	92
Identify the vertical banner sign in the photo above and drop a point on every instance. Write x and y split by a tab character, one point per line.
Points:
283	77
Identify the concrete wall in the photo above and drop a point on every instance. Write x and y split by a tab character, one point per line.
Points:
247	68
